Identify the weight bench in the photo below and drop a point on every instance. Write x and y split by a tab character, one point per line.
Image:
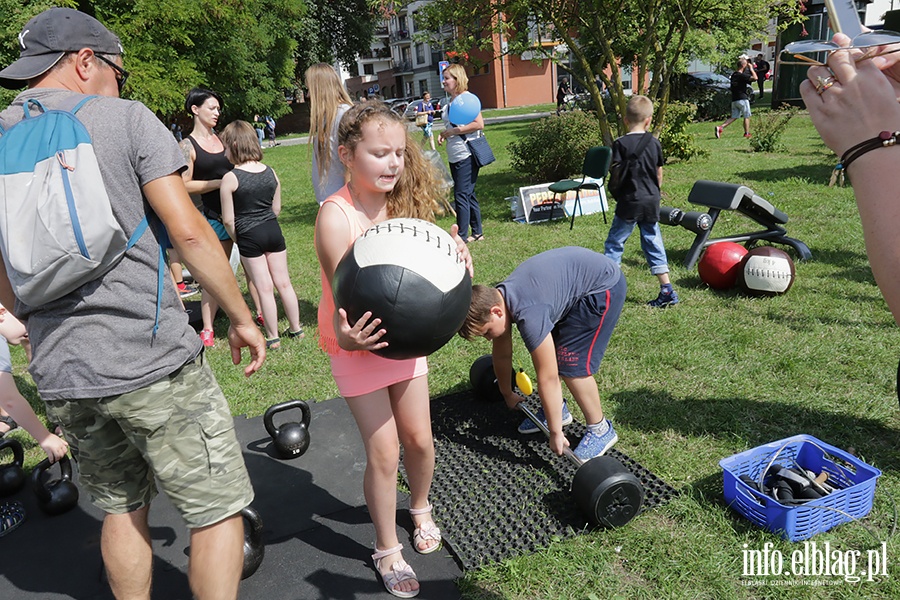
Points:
719	196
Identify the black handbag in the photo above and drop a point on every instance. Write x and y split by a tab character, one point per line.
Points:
481	150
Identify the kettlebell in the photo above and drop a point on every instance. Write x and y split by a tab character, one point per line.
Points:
291	439
57	496
254	549
12	476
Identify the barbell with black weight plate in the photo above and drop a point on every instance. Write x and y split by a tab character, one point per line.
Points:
607	493
484	381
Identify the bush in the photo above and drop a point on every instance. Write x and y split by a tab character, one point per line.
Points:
676	141
769	127
554	147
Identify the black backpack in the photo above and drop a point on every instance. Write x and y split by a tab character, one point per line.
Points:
619	171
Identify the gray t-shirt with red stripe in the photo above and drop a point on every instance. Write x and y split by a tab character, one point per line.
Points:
541	291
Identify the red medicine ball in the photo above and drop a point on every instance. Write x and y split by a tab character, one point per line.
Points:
720	263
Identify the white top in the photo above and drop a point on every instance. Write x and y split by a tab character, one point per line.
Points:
335	179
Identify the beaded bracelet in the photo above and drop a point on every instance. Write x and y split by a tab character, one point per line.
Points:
882	140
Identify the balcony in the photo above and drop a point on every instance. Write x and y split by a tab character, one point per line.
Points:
379	54
381	31
402	67
401	35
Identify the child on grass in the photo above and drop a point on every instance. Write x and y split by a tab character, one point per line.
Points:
637	203
565	303
13	407
388	177
251	200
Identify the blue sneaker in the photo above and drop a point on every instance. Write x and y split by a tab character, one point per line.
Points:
664	300
528	425
593	445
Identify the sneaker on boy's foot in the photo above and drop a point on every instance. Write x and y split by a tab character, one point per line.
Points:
747	135
593	445
664	300
260	321
208	338
718	131
528	425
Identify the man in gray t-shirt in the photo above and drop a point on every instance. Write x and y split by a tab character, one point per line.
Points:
565	303
138	410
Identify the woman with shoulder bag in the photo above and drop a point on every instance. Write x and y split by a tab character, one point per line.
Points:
463	166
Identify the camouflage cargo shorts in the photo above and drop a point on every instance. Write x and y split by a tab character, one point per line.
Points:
177	432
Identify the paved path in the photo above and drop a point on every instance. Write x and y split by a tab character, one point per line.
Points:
439	126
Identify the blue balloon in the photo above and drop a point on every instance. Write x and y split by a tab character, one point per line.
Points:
464	109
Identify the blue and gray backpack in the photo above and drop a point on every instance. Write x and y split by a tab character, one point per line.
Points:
57	228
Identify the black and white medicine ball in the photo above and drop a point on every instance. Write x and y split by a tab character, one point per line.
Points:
408	274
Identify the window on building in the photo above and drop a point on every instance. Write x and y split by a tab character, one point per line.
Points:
368	69
420	53
625	74
409	88
423	86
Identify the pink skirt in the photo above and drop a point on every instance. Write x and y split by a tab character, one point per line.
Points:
360	373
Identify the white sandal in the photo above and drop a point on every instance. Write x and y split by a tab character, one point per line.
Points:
400	572
425	532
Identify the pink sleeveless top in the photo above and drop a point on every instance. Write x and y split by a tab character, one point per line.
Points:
359	372
327	338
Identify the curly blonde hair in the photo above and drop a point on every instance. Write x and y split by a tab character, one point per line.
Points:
418	190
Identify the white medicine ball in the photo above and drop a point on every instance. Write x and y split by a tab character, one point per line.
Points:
408	274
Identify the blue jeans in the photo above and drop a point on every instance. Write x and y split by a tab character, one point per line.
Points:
468	212
651	243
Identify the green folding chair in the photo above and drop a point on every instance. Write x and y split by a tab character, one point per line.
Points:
596	166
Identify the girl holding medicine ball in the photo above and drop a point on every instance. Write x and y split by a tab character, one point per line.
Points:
388	178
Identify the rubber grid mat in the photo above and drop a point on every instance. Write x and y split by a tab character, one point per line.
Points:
499	494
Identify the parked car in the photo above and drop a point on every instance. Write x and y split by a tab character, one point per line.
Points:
410	113
398	105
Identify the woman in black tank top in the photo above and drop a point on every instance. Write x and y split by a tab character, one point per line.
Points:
206	165
251	201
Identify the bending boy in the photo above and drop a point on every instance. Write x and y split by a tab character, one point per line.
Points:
565	303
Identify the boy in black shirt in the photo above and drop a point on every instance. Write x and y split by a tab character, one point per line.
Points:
637	202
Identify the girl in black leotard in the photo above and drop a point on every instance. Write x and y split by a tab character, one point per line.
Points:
250	201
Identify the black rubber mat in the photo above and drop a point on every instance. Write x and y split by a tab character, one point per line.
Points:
317	531
499	494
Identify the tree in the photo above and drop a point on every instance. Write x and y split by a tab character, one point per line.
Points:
243	50
334	31
655	37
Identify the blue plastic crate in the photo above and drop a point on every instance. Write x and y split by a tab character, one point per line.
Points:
800	522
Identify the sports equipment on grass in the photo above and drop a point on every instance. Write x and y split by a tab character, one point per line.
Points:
766	271
718	267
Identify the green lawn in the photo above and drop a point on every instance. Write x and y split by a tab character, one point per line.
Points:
685	387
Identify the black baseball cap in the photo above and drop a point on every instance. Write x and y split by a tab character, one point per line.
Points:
49	36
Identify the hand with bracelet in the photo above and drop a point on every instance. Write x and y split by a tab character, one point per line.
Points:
851	101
